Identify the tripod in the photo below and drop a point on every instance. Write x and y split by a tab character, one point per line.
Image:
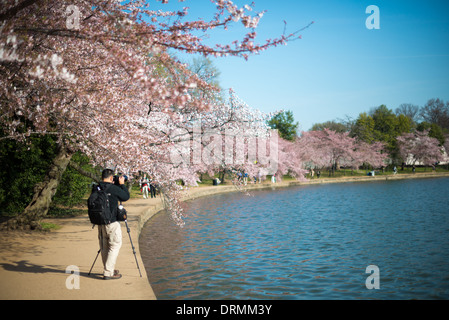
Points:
132	246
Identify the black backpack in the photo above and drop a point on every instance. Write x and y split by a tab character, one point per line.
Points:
98	206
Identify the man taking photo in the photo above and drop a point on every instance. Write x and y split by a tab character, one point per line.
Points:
110	235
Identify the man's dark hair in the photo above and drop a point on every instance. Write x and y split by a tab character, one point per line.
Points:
106	174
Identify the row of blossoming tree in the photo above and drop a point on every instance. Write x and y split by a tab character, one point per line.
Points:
411	135
97	76
331	150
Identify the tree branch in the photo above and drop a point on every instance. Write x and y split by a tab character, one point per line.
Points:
85	173
9	14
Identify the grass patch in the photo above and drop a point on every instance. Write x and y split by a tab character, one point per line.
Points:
48	226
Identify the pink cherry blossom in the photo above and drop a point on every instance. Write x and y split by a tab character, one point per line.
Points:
98	76
418	147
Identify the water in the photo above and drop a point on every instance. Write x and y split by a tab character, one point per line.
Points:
309	242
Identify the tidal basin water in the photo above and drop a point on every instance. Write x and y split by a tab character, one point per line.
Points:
307	242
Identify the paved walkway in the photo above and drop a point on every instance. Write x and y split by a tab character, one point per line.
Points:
33	265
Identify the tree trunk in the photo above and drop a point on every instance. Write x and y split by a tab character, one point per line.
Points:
43	194
130	185
223	176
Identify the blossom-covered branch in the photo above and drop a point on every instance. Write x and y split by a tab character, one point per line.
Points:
86	71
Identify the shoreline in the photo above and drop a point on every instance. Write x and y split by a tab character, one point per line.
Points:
345	179
34	266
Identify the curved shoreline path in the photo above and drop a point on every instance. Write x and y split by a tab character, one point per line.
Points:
33	266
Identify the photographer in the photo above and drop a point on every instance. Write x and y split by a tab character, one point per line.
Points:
110	236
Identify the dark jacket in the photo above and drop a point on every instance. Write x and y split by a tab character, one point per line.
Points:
116	194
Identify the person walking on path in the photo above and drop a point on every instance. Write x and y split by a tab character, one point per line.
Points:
144	185
153	189
110	235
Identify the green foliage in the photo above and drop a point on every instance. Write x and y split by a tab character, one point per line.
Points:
331	125
387	126
364	128
73	186
48	226
403	124
381	125
284	122
435	131
23	165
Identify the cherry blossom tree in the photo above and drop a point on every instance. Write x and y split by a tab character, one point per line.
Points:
327	148
330	149
97	75
418	147
446	143
290	161
374	154
229	136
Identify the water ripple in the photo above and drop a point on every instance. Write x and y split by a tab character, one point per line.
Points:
311	242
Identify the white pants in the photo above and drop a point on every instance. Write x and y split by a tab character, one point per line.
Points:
145	192
110	238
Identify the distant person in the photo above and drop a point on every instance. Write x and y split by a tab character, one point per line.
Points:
152	189
395	170
245	178
144	186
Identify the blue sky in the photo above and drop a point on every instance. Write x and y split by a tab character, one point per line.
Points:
339	68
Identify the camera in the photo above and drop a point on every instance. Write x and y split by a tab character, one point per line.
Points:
121	213
117	177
